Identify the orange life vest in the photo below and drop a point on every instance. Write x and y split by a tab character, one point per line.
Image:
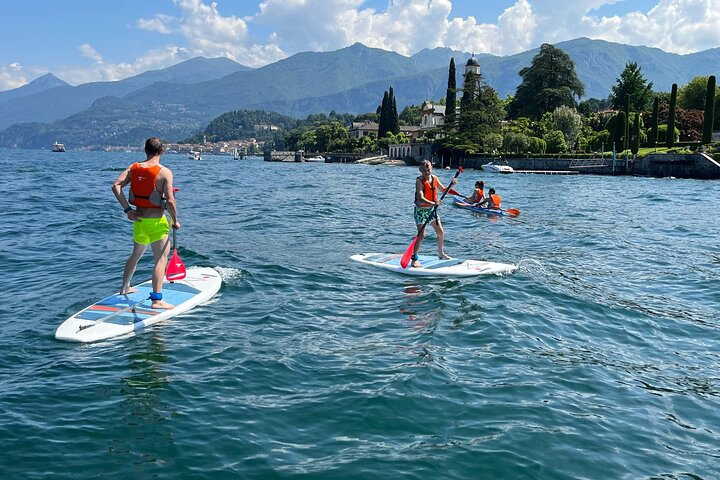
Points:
142	186
479	194
494	201
429	190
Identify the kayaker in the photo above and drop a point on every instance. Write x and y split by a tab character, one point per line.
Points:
478	195
492	200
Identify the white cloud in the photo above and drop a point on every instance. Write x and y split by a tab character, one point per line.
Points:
159	24
88	51
283	27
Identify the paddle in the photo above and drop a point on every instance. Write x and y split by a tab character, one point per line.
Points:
176	268
405	260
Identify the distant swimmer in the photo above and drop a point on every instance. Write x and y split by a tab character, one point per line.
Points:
151	191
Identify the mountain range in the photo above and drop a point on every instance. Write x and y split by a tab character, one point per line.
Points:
180	100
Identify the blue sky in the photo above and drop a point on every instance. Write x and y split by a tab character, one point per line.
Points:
91	40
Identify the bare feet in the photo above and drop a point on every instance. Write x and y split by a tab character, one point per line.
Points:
443	256
128	291
161	305
415	264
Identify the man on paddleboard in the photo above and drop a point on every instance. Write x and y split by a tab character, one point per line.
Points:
151	191
426	200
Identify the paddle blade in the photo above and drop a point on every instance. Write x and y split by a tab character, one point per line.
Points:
407	256
175	269
452	191
513	211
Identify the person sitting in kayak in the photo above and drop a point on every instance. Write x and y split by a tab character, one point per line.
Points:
478	195
426	203
492	201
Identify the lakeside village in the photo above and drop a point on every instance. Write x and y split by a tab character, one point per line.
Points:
541	129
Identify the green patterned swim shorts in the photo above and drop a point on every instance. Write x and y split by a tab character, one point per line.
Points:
422	214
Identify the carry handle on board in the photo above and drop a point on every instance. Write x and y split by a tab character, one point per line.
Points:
405	260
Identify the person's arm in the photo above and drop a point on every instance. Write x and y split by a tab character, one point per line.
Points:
169	195
117	188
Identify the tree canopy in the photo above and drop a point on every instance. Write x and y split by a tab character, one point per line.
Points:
632	82
549	82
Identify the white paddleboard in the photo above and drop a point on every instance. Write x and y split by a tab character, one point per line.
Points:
433	266
126	314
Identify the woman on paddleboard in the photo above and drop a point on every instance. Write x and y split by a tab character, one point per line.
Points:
426	201
151	191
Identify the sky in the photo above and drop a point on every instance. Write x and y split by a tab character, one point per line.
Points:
81	41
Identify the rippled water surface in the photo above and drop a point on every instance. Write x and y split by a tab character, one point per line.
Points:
598	359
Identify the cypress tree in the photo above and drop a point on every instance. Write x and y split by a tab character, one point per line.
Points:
635	142
618	129
670	134
383	122
626	143
451	95
393	120
654	136
709	110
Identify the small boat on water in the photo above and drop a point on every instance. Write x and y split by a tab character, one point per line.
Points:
194	156
58	147
492	168
317	158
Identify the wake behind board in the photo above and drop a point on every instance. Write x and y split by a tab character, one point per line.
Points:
125	314
432	266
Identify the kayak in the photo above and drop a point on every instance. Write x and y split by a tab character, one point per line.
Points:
459	201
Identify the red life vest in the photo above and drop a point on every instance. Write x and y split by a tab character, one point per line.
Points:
429	190
494	201
143	190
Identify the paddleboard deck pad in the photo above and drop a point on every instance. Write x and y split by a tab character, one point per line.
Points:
432	266
119	315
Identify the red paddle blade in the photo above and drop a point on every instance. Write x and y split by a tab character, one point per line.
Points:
405	260
513	211
175	269
452	191
460	169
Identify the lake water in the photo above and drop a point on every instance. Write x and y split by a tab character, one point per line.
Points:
598	359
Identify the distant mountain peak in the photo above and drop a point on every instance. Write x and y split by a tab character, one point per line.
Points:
49	80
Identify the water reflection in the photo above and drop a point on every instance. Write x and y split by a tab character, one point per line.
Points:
143	432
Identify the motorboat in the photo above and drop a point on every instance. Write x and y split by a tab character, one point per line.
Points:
58	147
491	167
194	156
317	158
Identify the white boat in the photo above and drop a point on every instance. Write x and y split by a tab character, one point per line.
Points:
58	147
194	156
491	167
317	158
